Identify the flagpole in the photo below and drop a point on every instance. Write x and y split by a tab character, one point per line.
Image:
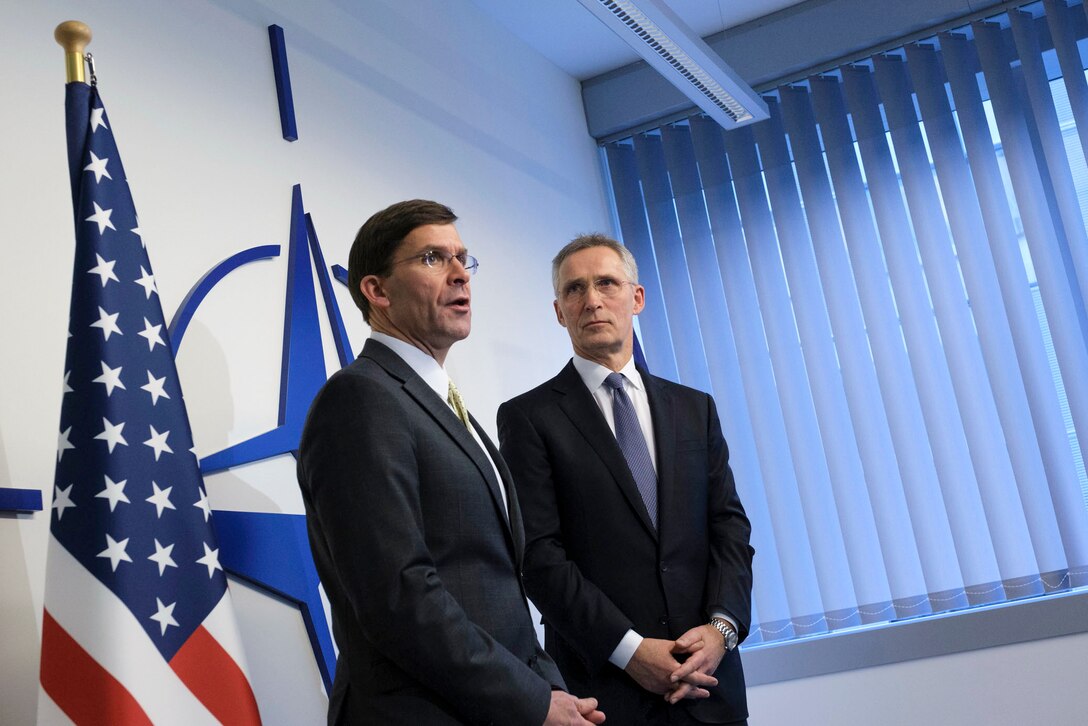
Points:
73	36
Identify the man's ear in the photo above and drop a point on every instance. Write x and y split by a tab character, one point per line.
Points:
640	299
373	289
559	313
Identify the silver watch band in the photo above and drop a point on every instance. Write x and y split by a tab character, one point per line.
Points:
729	633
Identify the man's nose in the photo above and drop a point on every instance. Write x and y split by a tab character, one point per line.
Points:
458	273
592	299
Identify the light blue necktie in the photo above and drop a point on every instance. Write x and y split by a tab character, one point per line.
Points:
633	444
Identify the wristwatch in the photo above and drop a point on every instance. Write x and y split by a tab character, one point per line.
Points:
729	633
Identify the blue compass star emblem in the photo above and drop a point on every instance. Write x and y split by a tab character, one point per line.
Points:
271	550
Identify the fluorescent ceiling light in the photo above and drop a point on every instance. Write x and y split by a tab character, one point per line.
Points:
677	53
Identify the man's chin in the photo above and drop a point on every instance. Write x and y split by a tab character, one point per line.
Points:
600	338
460	332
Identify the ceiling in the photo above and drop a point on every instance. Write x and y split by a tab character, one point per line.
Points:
572	38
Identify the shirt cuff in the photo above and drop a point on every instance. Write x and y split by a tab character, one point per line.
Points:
625	651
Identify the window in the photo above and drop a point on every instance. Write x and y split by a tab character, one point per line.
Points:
883	286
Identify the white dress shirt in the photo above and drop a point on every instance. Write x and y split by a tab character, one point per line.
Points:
593	375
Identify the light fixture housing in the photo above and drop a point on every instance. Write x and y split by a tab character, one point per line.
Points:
676	52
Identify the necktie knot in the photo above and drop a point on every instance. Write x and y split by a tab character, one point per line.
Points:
614	381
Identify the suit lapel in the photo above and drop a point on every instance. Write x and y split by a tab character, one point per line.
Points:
513	518
577	403
444	416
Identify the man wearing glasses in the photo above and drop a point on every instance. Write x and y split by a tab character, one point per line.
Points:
412	516
637	547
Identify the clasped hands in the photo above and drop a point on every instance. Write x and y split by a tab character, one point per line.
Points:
654	665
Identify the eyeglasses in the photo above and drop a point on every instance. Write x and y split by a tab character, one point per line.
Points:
439	260
607	287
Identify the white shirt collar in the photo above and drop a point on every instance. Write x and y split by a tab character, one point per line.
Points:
593	373
426	367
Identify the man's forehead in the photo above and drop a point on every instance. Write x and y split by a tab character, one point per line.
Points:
594	261
433	236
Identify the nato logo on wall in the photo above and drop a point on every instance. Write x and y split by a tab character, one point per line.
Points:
271	550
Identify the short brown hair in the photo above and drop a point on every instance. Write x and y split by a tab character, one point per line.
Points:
381	235
595	239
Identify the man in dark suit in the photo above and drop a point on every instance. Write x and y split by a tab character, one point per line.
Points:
637	549
412	516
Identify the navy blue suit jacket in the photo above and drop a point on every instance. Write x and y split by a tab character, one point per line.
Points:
594	564
419	561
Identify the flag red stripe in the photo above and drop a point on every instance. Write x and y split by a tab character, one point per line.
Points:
215	679
80	687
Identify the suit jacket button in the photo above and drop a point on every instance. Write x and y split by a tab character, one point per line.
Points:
664	568
663	620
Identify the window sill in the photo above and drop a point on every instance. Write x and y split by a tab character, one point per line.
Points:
955	632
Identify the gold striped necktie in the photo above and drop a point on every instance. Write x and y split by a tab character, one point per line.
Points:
454	399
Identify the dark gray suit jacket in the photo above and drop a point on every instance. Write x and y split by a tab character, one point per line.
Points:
419	562
594	564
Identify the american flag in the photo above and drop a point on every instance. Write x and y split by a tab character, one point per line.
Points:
137	626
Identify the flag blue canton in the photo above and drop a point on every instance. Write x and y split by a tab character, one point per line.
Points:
129	502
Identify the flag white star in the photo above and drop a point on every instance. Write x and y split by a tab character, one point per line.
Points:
67	388
104	269
161	499
97	120
111	434
158	442
111	378
115	551
151	332
108	323
98	166
162	557
155	386
147	282
210	560
62	500
136	231
101	217
164	616
203	503
63	444
114	493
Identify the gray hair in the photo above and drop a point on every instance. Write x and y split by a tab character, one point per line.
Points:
585	242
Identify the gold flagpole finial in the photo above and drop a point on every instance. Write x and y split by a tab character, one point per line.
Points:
73	36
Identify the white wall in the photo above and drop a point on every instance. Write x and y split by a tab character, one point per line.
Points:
394	100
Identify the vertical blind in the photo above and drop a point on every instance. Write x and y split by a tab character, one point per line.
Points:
883	285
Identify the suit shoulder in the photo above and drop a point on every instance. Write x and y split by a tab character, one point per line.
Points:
678	389
534	397
359	373
685	398
359	381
